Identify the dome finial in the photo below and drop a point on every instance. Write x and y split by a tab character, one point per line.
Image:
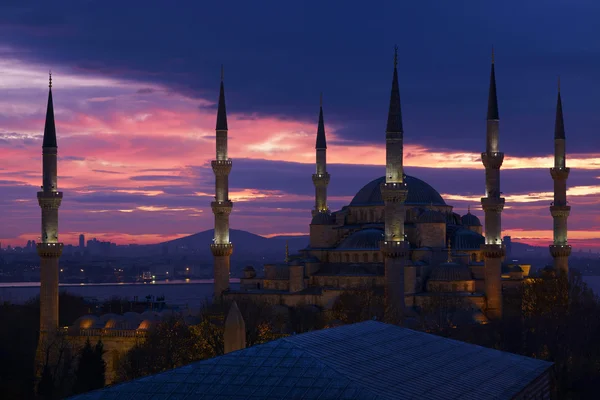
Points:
469	209
50	79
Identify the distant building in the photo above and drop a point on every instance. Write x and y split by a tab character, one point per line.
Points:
82	241
508	245
368	360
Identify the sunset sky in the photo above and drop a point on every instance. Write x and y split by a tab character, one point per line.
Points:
135	85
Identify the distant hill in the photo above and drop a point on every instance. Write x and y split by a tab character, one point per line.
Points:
246	244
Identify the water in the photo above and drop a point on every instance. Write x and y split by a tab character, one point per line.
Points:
176	292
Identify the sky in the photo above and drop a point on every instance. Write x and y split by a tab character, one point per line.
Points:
135	86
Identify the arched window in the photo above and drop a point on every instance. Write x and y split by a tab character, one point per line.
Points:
365	257
355	258
473	257
347	257
376	257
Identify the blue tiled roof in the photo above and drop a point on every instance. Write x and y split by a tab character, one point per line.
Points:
368	360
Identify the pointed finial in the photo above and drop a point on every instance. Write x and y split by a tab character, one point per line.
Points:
50	74
321	100
395	56
559	84
222	73
469	209
287	252
493	61
449	251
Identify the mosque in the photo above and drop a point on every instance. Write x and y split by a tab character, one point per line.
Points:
397	234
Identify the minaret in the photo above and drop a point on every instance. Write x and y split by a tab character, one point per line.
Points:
221	247
321	177
559	209
394	247
50	249
493	204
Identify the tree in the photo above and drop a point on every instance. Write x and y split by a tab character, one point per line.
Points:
91	368
358	304
169	344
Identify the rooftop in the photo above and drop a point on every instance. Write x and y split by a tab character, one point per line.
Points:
368	360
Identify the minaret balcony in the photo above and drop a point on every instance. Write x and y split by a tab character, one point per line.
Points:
49	250
394	192
491	204
560	250
493	250
321	179
560	211
221	167
221	207
221	249
393	249
492	160
49	200
560	173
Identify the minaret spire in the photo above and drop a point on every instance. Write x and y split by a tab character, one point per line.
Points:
221	247
321	177
49	248
559	209
394	248
493	204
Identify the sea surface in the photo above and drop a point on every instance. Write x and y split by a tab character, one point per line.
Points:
190	293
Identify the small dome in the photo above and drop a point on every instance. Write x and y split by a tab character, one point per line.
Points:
449	272
86	322
470	220
431	217
363	239
516	268
466	239
106	317
419	193
113	323
322	218
249	272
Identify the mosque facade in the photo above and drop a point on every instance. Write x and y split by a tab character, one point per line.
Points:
398	234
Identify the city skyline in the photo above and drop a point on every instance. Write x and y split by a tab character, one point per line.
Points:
135	141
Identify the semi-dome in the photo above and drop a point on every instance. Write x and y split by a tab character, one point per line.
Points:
431	217
363	239
470	220
466	239
419	193
449	272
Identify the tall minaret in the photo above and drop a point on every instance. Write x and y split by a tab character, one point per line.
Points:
559	209
50	249
321	177
394	247
221	247
493	204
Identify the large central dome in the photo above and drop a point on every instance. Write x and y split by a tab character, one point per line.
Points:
419	193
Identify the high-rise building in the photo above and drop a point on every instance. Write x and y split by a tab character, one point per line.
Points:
82	241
